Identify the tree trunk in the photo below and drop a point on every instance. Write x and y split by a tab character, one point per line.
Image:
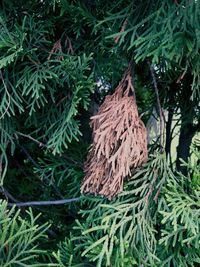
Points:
188	130
183	149
168	133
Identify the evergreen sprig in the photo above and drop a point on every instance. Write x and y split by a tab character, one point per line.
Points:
20	238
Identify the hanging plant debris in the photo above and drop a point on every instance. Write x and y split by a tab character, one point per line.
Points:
119	142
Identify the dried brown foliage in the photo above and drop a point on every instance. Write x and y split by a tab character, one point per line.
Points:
121	30
119	142
57	48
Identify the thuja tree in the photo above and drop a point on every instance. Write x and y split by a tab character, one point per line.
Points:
58	60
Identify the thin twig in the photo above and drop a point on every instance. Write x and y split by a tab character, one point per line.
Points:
29	156
32	139
151	188
44	203
56	48
181	76
121	30
65	97
33	61
175	126
159	107
44	145
9	100
145	261
8	195
38	166
70	47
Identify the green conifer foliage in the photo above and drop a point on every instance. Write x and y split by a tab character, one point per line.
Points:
58	60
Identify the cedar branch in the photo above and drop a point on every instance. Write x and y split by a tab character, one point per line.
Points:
44	203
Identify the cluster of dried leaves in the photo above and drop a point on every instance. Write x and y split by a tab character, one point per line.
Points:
57	48
119	142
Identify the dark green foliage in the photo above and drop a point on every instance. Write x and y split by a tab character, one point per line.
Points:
58	59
